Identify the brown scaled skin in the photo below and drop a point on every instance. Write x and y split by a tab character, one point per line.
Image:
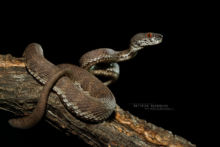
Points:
31	120
82	94
97	109
91	60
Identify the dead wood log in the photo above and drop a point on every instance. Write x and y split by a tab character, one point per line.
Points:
19	92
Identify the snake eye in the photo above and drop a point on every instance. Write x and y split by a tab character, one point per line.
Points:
149	35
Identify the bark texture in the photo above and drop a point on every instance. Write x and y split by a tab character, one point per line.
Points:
19	93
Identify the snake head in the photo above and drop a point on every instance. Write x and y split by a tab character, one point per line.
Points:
142	40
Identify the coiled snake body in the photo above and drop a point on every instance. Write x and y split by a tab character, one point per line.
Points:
79	90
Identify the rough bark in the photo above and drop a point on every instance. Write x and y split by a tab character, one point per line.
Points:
19	92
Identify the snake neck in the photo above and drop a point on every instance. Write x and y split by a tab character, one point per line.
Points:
129	53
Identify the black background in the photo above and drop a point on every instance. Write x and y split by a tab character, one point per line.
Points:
171	73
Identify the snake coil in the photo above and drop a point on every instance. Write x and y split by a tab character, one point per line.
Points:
79	90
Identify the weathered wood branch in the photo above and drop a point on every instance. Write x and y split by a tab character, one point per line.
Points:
19	92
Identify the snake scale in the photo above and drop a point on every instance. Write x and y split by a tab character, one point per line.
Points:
82	93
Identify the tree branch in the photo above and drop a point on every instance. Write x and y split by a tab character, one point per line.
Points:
19	92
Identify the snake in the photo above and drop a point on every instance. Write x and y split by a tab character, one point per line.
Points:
78	87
